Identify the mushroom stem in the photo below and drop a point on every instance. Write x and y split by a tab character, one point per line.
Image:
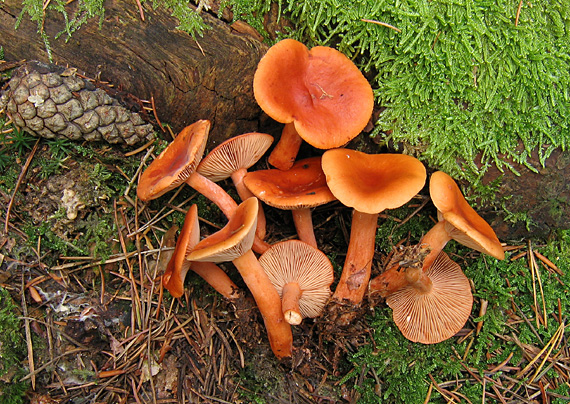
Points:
303	220
435	239
268	302
222	200
285	151
358	263
244	193
213	192
216	278
290	296
389	281
417	279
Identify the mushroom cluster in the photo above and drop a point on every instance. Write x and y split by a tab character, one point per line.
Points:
322	98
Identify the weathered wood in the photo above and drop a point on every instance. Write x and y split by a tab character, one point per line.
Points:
153	58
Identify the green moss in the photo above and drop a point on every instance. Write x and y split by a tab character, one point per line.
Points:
12	352
459	78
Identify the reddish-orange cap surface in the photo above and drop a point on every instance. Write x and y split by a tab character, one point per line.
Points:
320	90
175	164
465	225
302	186
371	183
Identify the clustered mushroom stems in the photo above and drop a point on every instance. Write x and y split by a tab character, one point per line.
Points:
278	312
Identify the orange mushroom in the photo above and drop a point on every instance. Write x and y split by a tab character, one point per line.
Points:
178	266
233	243
319	94
435	303
298	189
232	158
369	184
457	220
177	165
302	275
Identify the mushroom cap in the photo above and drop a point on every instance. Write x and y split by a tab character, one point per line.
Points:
371	183
462	222
233	240
175	164
320	90
302	186
435	316
238	152
178	266
297	261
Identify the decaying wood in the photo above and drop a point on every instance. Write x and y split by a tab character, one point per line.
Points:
210	78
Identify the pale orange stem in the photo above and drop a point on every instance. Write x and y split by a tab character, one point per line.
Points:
358	262
436	238
285	152
290	303
244	193
216	278
268	302
213	192
303	219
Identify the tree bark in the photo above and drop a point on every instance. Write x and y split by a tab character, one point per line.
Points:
210	78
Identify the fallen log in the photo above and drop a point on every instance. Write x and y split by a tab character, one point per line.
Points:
207	78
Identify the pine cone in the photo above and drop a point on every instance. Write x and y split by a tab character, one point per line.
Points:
53	102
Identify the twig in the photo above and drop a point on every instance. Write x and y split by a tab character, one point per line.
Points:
518	13
156	114
382	24
32	372
20	179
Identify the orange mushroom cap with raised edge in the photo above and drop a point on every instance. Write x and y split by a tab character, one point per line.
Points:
302	275
372	183
436	305
302	186
298	189
369	183
173	166
320	90
463	224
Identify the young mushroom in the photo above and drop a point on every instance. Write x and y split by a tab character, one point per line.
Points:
178	266
369	184
177	165
232	158
319	94
302	275
435	303
298	189
457	220
233	243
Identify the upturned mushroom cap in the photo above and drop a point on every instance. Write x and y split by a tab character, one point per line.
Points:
439	314
371	183
238	152
233	240
302	186
178	266
294	261
462	222
173	166
320	90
